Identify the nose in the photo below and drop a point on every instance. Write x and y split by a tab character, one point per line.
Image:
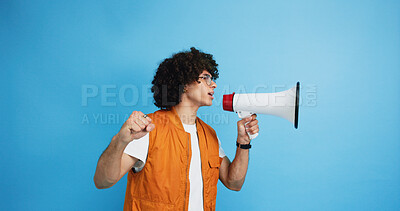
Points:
213	84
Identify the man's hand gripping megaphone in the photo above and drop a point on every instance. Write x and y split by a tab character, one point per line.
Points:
249	123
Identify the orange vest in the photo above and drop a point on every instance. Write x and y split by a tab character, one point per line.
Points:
163	183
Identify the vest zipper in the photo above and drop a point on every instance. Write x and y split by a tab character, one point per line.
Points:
187	176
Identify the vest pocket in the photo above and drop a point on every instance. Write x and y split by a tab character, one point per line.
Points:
213	170
214	162
213	176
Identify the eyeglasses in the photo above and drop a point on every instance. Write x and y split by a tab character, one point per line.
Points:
207	78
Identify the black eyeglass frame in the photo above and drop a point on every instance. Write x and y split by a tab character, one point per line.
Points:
207	79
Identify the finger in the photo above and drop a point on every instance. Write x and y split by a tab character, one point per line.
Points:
254	116
143	117
136	119
244	121
136	114
250	127
250	118
143	120
132	118
256	130
134	127
150	127
147	117
133	114
253	129
252	123
139	123
251	132
130	121
140	119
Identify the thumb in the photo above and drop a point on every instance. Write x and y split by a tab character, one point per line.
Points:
150	127
241	125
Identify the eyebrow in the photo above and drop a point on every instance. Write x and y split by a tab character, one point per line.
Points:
206	75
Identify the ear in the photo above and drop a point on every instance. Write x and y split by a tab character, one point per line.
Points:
184	90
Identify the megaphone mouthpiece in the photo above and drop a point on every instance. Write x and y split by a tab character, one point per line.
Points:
227	102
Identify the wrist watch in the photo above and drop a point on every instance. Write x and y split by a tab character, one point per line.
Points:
243	146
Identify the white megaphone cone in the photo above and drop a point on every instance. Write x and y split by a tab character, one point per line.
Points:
283	104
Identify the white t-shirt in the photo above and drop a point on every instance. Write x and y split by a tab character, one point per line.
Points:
139	149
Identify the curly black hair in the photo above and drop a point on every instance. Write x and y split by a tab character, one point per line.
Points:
176	72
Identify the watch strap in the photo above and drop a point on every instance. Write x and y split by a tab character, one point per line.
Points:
243	146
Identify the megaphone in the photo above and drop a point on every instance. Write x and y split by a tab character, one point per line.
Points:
283	104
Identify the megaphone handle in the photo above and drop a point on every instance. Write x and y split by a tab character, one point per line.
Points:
243	115
252	136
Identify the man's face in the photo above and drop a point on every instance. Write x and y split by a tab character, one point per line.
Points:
201	94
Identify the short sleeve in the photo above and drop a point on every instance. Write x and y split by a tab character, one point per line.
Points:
138	148
221	151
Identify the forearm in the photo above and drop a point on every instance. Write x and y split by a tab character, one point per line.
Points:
233	174
238	169
109	165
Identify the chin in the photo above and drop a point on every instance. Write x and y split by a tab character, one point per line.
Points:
207	104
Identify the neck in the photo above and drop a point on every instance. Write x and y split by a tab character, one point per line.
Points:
187	113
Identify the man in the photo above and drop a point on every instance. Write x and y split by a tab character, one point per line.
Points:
174	159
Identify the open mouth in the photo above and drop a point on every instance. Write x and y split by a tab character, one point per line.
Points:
211	94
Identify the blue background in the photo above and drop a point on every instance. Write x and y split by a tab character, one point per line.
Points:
346	54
